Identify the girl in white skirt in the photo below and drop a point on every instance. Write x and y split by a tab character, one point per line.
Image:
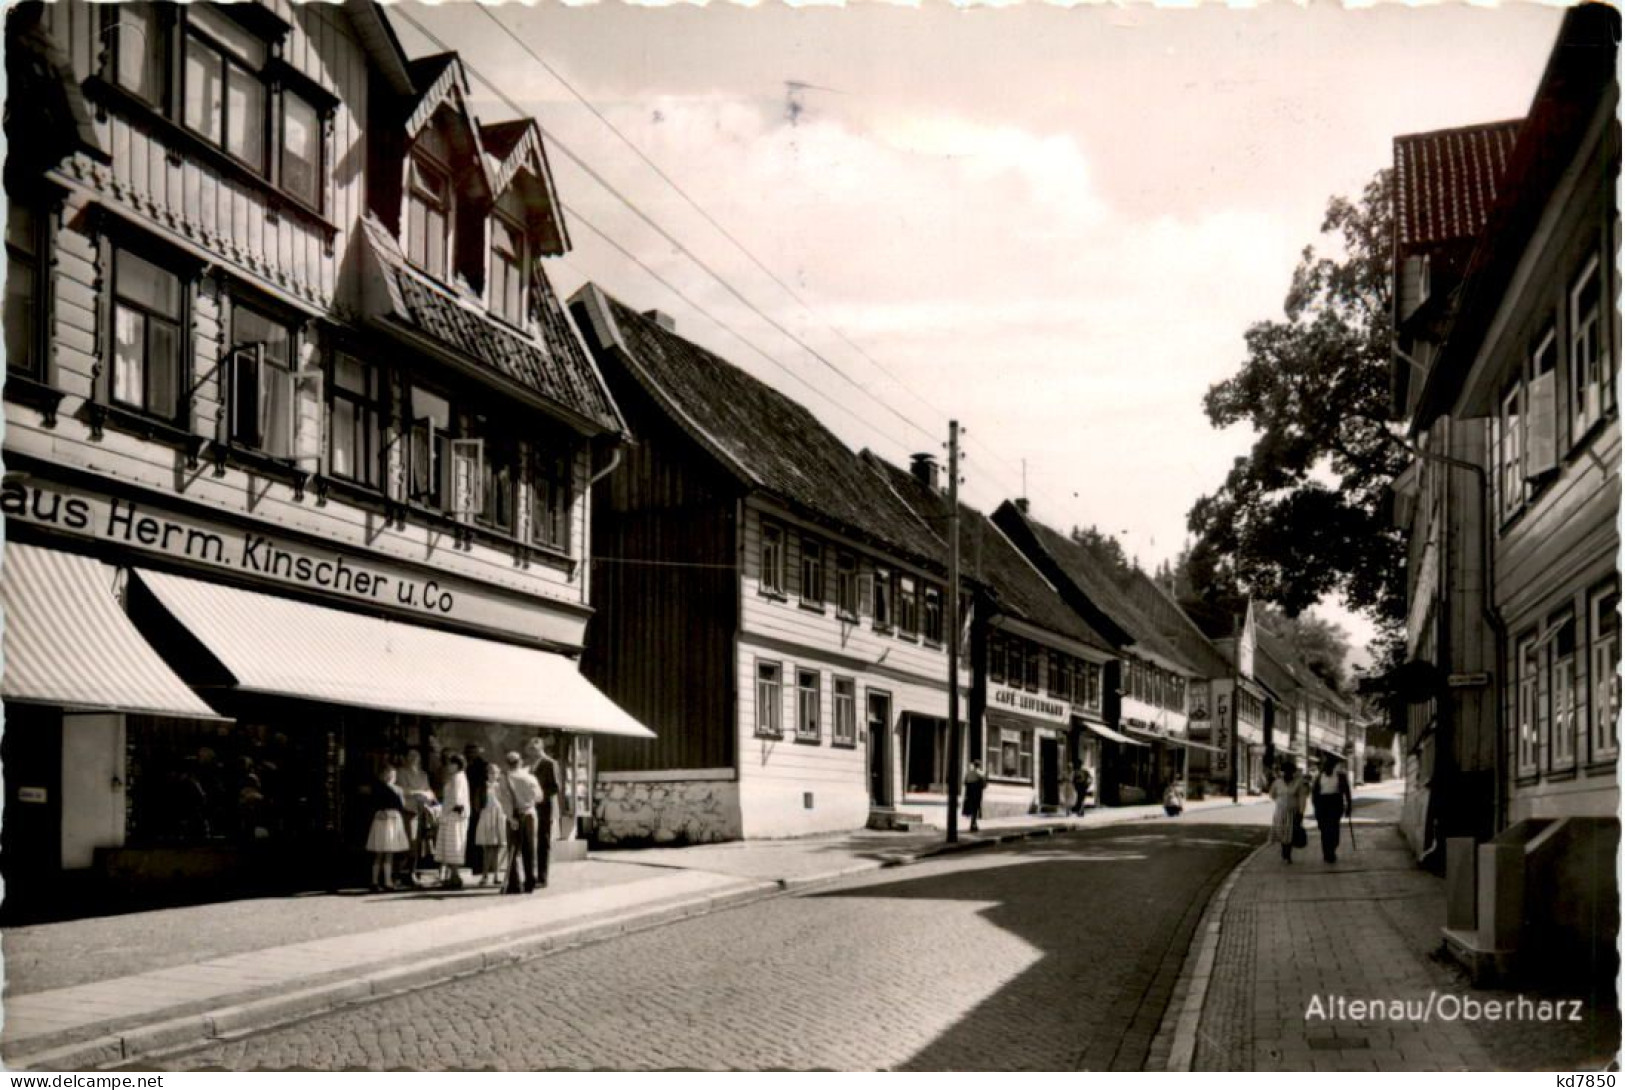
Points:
451	837
491	834
387	836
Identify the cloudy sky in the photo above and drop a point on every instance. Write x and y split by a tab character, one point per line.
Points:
1054	224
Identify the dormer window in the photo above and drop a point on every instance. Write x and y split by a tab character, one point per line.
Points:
509	270
428	216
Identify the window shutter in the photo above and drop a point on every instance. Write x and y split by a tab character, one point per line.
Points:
1540	450
866	593
307	442
467	466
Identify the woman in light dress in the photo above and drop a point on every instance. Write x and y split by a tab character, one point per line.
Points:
1289	791
451	836
491	833
387	836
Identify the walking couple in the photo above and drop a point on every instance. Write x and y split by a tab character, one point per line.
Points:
1333	797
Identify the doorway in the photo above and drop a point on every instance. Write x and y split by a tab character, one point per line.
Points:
879	723
1049	772
31	838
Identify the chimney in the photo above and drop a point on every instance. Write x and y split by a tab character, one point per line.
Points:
925	470
662	319
1021	504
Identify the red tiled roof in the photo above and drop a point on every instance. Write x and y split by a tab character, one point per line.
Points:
1445	182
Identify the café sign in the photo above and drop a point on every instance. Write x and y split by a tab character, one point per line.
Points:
1035	705
324	569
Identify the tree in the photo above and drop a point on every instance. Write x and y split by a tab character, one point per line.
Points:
1103	547
1304	515
1322	644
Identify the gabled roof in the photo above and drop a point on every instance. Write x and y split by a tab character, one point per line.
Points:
1160	611
556	368
441	80
515	146
1446	181
986	556
765	440
378	38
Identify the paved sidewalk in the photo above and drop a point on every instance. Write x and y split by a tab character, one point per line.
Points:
104	990
1291	939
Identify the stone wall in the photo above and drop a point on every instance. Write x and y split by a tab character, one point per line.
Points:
631	813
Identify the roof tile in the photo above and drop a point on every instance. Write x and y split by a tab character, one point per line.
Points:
1445	182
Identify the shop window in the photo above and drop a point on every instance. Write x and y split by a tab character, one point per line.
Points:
428	215
769	700
1010	753
551	496
808	718
927	754
846	585
812	572
931	620
845	725
883	600
274	406
771	575
224	92
509	270
147	348
1565	693
1528	736
25	246
428	447
908	606
1604	675
355	433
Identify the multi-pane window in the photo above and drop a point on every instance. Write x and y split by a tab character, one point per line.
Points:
807	709
428	216
508	270
908	605
1509	456
932	619
845	725
1528	740
499	484
355	434
301	150
846	584
1034	662
812	572
1540	407
1054	679
1015	662
1010	753
23	249
772	559
1565	693
224	93
551	492
429	437
135	34
883	599
1604	675
995	657
148	303
260	392
769	699
1590	371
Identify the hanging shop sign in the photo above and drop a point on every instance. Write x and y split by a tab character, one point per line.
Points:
323	569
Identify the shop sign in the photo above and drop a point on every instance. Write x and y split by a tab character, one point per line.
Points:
326	570
1221	734
1004	698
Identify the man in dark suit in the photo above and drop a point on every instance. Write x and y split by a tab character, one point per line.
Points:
479	771
1333	796
546	771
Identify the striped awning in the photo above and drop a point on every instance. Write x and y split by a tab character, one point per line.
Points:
287	648
1107	732
68	642
1174	740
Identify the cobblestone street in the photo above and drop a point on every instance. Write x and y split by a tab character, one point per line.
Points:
1057	954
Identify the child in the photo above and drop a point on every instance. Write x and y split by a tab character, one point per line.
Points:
388	833
491	834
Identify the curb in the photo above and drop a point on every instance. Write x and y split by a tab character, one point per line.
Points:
1197	972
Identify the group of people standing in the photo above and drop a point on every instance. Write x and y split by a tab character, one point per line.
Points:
506	818
1074	791
1332	796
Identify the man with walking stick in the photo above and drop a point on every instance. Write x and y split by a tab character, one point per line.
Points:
1333	797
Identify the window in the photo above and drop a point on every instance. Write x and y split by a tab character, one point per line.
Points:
925	759
808	726
508	270
1540	408
428	215
147	321
428	451
1010	753
845	731
1052	681
812	572
301	150
995	657
1510	454
499	482
1015	662
769	700
355	435
225	98
772	558
260	391
1565	692
932	622
24	246
551	495
908	606
1033	660
1589	368
846	585
1528	740
136	37
1604	674
883	599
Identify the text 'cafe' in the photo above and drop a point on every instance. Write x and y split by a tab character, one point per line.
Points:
191	700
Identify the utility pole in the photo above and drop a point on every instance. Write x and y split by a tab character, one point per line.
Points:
952	623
